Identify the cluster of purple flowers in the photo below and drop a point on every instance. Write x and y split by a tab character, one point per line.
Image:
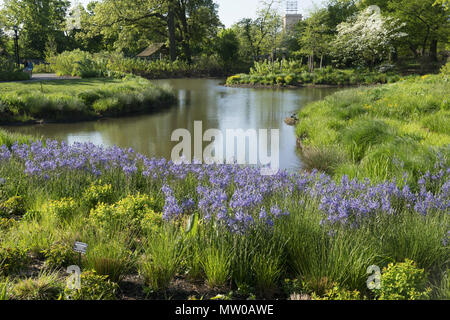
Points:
235	196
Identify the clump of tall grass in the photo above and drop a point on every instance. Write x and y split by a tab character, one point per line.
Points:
162	257
46	286
324	159
110	256
217	265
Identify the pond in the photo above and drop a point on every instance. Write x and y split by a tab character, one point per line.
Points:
205	100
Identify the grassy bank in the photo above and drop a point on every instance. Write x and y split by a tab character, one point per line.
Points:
379	132
293	73
70	100
158	230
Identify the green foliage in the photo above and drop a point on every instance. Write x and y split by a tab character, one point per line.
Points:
8	138
46	286
63	209
98	193
445	70
110	258
227	46
216	264
93	287
383	131
80	99
338	293
293	72
163	253
403	281
363	134
131	212
4	289
12	259
14	206
60	255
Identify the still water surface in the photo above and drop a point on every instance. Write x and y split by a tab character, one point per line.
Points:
205	100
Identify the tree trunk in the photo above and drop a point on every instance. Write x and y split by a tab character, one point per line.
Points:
321	60
185	32
171	25
433	50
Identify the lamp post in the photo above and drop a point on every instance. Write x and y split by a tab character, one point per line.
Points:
16	44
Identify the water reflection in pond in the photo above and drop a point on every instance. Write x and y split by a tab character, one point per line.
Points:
199	100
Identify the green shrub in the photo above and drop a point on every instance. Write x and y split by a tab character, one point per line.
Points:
131	212
14	206
445	70
60	255
338	293
98	193
93	287
403	281
12	260
63	209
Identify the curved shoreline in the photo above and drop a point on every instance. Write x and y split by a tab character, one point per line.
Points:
301	86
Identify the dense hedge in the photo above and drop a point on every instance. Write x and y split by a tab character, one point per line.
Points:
87	65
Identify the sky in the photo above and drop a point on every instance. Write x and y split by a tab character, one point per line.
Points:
231	11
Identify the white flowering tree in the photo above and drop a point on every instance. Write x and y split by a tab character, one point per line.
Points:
367	38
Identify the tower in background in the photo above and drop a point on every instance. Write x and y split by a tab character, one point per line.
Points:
292	17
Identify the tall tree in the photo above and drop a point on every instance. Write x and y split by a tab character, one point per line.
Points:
260	36
40	20
367	38
316	37
228	47
426	23
180	22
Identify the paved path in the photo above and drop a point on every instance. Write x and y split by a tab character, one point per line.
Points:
49	76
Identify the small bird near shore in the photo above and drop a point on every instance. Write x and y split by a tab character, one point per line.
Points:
292	120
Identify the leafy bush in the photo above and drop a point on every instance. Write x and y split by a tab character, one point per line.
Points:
445	70
60	255
98	193
338	293
270	73
403	281
14	206
12	260
93	287
63	209
131	212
